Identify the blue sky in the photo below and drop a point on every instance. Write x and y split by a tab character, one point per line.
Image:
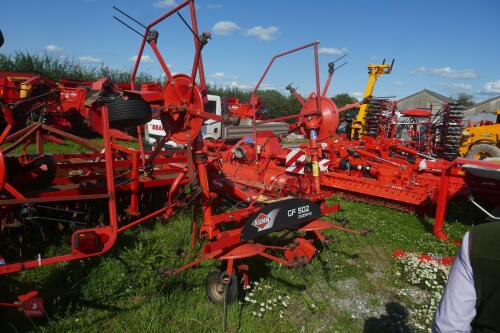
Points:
446	46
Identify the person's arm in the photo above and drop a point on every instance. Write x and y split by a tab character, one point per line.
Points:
457	307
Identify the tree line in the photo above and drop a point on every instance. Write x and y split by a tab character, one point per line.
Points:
56	68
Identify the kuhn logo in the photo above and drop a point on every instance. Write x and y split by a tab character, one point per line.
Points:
264	222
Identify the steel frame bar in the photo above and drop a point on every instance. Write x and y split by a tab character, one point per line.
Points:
443	193
144	39
316	65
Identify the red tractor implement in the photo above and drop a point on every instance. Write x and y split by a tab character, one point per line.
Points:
92	196
380	169
95	195
232	236
73	106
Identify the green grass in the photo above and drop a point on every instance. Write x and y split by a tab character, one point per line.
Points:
121	291
69	146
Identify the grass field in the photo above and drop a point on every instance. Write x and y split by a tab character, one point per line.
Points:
352	287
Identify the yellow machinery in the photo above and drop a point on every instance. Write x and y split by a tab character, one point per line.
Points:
479	142
374	71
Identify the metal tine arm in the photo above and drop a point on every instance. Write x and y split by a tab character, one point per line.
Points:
131	18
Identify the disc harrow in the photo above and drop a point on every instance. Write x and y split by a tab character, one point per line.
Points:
373	165
448	127
375	112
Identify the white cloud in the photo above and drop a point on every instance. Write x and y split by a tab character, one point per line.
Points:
53	48
164	3
491	88
448	72
236	84
266	34
457	86
332	51
218	75
357	94
214	6
89	59
144	58
225	28
399	83
242	86
269	86
246	86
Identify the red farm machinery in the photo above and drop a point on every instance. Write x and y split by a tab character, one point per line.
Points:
69	105
364	160
93	196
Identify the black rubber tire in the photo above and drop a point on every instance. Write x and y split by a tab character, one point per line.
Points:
215	288
487	150
128	113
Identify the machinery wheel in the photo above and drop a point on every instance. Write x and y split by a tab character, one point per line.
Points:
216	283
128	113
482	151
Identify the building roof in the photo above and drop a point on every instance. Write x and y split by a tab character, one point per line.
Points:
429	92
485	101
489	105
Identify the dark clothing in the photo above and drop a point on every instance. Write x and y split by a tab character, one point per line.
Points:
484	245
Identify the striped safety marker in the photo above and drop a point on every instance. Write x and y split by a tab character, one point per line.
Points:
295	155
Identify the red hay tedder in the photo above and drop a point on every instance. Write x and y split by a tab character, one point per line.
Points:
96	195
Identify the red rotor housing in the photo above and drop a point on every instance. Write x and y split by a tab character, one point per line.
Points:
326	122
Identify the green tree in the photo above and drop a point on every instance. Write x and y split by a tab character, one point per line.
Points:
343	99
293	104
464	99
224	92
275	102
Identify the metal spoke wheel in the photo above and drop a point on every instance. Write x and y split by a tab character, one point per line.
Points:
220	285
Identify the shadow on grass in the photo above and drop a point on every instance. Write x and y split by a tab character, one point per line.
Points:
458	211
61	288
395	320
58	293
